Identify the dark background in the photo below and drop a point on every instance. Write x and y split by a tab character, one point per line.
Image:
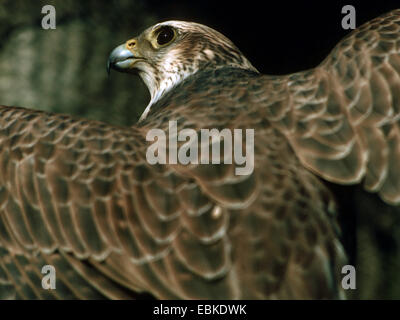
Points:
277	36
63	71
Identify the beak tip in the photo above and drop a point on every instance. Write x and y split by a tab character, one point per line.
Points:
119	59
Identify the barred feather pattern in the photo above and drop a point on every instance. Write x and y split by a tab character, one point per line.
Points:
342	118
80	194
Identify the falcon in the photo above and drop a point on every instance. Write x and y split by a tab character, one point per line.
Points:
82	197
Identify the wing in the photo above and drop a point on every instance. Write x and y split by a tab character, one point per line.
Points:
80	196
342	118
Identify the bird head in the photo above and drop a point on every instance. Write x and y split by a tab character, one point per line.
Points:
168	52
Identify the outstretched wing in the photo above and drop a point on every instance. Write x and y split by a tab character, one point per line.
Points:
80	196
342	118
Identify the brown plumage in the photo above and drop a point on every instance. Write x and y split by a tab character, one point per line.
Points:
80	195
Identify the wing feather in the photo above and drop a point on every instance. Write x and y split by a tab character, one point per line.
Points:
346	111
79	195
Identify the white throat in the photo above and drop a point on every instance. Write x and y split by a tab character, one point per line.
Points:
157	91
169	77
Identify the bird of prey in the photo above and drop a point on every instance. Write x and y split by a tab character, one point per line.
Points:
81	195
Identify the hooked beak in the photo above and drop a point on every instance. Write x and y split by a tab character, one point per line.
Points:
120	59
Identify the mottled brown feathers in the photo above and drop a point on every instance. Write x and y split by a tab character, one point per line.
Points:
81	196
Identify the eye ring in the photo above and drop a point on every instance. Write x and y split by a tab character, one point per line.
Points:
165	35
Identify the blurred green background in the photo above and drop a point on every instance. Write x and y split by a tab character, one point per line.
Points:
64	70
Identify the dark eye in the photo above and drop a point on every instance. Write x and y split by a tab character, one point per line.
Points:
165	35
